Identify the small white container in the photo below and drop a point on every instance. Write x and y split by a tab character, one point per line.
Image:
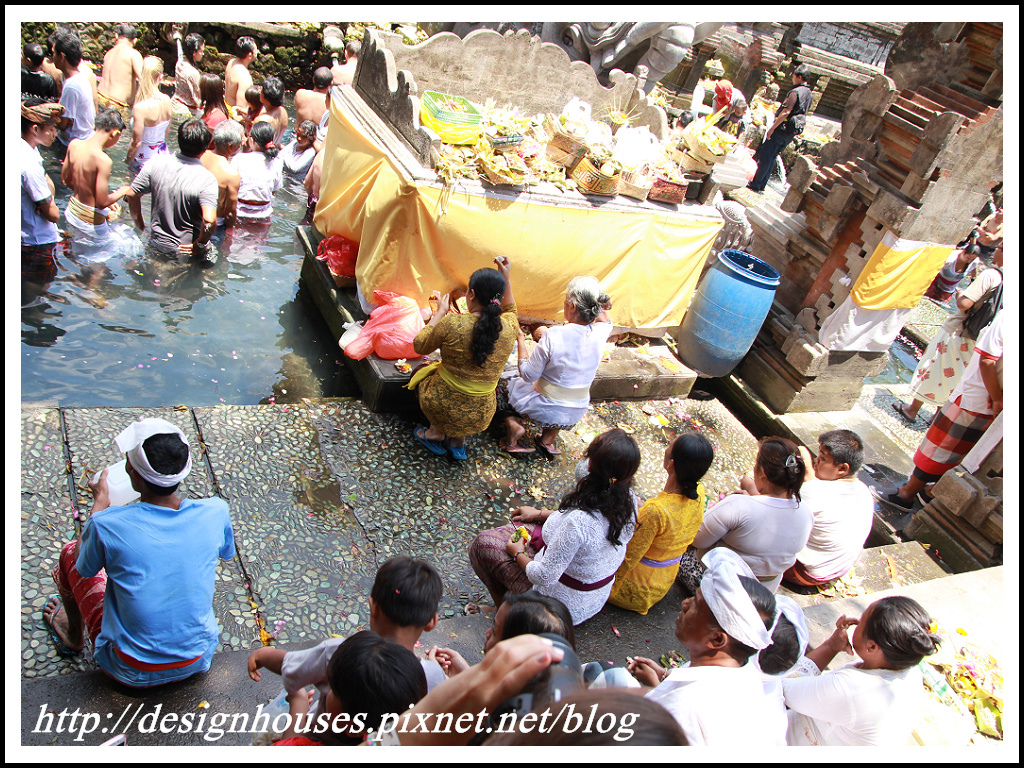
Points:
120	485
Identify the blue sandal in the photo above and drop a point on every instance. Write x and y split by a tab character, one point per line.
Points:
457	453
436	447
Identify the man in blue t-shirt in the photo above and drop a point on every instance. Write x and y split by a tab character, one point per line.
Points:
140	579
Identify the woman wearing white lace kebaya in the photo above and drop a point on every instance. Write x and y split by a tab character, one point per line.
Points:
574	551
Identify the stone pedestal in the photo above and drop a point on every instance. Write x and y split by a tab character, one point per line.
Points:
793	373
966	511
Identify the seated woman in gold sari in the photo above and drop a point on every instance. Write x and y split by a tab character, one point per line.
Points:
457	394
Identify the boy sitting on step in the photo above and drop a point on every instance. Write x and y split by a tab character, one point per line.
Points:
370	679
843	510
403	605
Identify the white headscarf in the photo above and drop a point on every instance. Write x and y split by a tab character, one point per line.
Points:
728	600
787	606
130	442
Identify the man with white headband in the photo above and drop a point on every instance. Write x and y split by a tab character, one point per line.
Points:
718	696
140	578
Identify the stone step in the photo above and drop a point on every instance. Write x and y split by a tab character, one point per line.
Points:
776	223
971	605
775	216
883	458
110	709
879	568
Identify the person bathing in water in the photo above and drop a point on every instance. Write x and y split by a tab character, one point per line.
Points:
87	171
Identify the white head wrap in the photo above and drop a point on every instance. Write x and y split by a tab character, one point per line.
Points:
728	600
130	442
786	606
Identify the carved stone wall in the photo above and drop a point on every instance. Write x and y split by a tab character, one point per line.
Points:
517	69
914	163
866	43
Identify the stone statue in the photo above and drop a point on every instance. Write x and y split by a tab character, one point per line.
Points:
627	45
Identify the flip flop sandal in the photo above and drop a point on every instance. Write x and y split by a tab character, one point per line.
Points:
60	645
457	453
549	452
898	407
516	448
436	447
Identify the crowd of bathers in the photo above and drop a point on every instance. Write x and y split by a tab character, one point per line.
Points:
231	155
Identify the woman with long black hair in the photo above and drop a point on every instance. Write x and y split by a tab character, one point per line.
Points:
457	395
574	551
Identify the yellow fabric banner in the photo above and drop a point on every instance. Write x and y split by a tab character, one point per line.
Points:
414	237
898	273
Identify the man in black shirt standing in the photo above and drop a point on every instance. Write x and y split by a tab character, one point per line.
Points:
789	122
35	82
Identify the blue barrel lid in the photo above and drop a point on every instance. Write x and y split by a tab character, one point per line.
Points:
749	267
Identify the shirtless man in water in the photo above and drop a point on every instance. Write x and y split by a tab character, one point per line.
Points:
272	97
236	75
122	67
227	140
343	74
87	172
311	104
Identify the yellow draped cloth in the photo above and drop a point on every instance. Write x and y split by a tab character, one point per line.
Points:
898	273
414	236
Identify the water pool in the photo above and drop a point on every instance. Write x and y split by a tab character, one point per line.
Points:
137	332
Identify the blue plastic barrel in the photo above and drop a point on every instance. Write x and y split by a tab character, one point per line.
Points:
727	311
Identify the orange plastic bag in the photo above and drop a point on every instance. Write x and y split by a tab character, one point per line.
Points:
340	254
390	330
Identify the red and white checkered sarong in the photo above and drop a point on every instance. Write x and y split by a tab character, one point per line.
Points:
952	434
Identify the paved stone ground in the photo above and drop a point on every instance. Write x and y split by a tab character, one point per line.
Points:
321	494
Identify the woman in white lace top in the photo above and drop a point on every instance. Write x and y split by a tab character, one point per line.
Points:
574	551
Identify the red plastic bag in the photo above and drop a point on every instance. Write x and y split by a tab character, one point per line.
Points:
340	254
390	330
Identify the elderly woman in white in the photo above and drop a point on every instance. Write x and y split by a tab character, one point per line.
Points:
553	385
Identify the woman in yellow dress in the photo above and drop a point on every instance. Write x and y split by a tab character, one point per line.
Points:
666	526
457	395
